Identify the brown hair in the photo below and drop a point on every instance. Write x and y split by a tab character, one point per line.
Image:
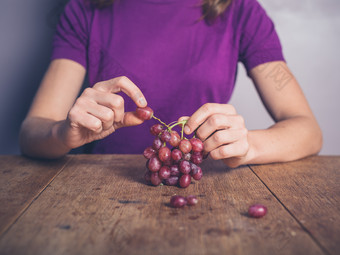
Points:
211	9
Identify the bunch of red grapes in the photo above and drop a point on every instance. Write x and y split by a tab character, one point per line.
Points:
172	159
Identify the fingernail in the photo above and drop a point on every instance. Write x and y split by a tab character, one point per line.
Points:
142	101
187	130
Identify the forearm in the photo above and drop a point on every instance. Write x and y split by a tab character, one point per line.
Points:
39	138
287	140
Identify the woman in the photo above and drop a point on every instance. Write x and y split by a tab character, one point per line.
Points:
179	56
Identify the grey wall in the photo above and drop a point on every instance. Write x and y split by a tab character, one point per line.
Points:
309	32
26	29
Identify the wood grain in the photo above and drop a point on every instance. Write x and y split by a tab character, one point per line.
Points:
310	190
100	205
22	180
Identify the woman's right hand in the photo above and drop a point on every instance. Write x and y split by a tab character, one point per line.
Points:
99	111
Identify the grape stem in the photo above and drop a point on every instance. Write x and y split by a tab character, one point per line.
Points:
183	122
153	116
173	124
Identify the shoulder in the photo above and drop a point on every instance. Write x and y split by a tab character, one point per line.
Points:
79	7
78	14
83	4
250	17
244	9
245	5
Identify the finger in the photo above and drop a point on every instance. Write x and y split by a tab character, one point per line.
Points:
202	114
219	122
116	104
112	101
103	113
237	149
125	85
130	119
224	137
83	119
183	118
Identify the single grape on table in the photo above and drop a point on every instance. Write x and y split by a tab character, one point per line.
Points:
192	200
180	201
172	158
257	211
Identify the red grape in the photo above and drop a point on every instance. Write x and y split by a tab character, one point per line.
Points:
144	113
174	139
157	143
154	164
184	167
192	200
149	152
257	211
164	154
164	172
194	169
155	180
172	181
165	136
197	158
176	155
178	201
187	156
185	146
174	170
156	129
198	175
197	144
184	180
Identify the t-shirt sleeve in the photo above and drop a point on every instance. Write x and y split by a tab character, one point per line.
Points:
71	37
259	42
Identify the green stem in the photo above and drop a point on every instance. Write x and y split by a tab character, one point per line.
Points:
153	116
183	122
173	124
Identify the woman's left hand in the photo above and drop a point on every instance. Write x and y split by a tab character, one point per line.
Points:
222	131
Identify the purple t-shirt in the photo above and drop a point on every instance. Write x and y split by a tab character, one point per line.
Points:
177	59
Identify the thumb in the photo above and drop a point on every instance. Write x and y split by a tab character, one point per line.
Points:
130	119
183	118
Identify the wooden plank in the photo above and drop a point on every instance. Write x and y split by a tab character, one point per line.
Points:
100	205
21	181
310	189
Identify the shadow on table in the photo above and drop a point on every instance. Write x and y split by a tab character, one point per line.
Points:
215	167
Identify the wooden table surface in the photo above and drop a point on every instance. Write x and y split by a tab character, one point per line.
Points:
90	204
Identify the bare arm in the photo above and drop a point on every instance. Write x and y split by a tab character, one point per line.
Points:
58	121
55	97
296	133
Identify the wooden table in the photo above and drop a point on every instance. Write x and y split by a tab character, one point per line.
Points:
90	204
